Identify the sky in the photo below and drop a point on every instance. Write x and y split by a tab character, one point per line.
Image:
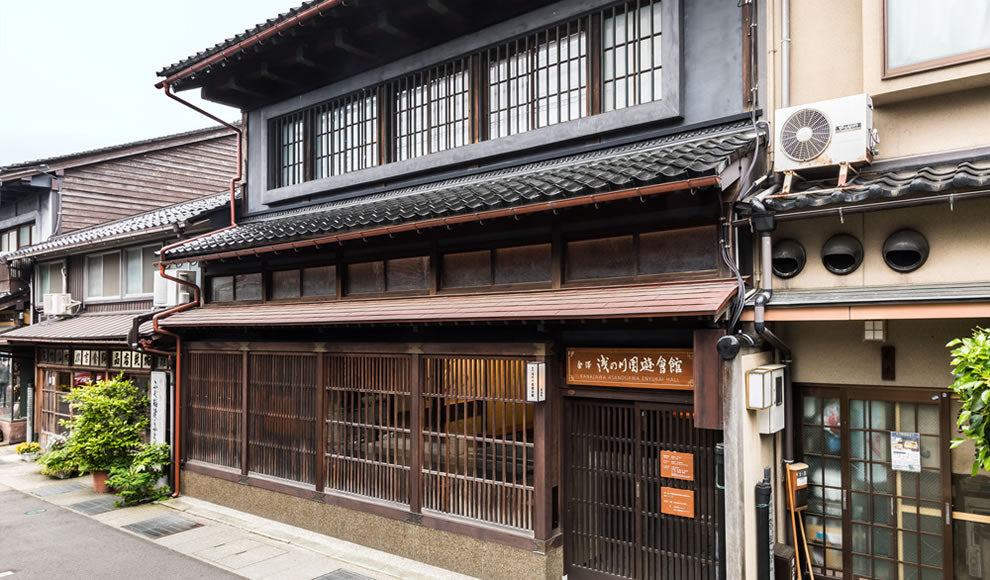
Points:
80	74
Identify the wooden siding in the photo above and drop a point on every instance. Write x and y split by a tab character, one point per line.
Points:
75	268
119	188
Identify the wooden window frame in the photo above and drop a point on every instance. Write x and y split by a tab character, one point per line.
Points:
928	65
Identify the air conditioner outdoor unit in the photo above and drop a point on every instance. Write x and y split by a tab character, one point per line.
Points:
824	134
57	304
169	293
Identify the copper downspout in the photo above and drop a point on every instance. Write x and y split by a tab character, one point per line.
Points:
195	288
248	42
474	217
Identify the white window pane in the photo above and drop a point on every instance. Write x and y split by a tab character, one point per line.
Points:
111	274
94	276
917	31
134	271
149	270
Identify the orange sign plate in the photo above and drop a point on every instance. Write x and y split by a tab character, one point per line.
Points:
651	368
677	465
677	502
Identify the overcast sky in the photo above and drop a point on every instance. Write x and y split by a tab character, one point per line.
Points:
80	74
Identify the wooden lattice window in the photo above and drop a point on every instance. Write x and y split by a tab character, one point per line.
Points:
213	420
368	417
478	439
631	54
432	110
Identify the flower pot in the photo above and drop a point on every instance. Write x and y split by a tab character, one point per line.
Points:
29	456
100	481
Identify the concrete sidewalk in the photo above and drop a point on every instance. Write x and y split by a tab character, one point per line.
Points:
238	542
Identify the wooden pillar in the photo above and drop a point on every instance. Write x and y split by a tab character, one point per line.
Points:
542	497
321	424
707	379
244	410
416	434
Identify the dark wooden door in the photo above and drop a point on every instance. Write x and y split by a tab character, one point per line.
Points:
615	523
866	517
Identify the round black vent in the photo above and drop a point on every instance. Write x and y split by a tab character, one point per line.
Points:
842	254
788	258
905	250
805	134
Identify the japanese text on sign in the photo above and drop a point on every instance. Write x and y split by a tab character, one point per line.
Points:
657	368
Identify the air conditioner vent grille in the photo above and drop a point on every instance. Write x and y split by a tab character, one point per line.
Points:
805	134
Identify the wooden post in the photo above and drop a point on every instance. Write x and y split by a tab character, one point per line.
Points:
321	424
707	379
542	498
416	435
244	410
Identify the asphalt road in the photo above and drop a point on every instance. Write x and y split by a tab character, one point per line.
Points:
59	543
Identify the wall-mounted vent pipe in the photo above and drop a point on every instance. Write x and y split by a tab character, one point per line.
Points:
905	250
842	254
788	258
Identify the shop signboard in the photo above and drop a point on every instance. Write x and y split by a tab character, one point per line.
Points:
158	395
651	368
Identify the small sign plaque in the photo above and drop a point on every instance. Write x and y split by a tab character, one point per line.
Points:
677	465
536	382
677	502
905	451
158	395
671	368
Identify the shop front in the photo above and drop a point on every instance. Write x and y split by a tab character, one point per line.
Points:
15	385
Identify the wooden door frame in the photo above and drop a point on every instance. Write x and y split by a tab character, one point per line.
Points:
892	394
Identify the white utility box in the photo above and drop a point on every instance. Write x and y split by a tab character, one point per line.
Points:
765	395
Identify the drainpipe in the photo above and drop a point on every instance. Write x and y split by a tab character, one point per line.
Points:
196	294
785	54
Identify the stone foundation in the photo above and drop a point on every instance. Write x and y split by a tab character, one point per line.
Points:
456	552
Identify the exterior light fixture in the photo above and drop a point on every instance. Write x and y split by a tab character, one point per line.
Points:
874	331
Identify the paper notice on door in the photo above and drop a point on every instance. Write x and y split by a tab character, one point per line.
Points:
677	502
905	451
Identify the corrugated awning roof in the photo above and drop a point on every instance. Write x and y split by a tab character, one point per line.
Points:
669	159
82	328
900	294
706	298
889	183
126	228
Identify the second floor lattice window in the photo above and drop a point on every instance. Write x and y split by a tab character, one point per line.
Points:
601	61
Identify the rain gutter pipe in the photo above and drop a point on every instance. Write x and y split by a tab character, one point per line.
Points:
196	294
481	216
785	54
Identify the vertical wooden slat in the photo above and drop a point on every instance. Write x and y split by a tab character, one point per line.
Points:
320	475
244	411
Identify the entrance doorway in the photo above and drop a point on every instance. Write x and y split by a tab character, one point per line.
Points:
874	509
640	491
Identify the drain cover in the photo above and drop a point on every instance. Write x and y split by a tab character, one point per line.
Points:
162	526
34	512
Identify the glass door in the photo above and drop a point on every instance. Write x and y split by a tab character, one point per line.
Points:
879	483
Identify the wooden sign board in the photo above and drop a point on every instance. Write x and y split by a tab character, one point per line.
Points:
676	465
677	502
650	368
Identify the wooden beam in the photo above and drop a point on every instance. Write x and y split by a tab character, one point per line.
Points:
342	41
388	26
303	59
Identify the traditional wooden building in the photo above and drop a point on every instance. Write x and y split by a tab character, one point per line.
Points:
469	308
45	199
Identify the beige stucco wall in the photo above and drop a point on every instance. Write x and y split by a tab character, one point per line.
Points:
837	50
957	236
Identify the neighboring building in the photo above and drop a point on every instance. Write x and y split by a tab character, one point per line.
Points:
51	197
873	277
110	274
440	198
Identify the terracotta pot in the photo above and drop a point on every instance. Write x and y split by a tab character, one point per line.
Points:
100	481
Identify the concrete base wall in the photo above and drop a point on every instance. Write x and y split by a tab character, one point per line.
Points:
454	552
13	431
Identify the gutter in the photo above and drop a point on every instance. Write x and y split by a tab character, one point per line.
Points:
247	42
442	222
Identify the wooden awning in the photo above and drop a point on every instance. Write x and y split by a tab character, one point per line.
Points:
707	298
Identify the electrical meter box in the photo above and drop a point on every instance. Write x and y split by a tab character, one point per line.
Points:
797	486
765	394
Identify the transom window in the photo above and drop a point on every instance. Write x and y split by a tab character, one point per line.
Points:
606	60
121	273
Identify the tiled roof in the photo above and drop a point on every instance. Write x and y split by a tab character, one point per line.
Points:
82	328
640	301
672	158
892	183
175	67
127	227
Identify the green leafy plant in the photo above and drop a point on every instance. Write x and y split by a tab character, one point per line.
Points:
109	417
25	448
971	368
138	481
58	462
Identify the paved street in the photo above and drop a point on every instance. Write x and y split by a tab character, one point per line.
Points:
45	541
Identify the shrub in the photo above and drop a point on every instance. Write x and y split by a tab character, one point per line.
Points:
25	448
971	367
137	482
109	418
57	462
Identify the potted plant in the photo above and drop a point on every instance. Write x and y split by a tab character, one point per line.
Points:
28	451
109	417
57	461
138	482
